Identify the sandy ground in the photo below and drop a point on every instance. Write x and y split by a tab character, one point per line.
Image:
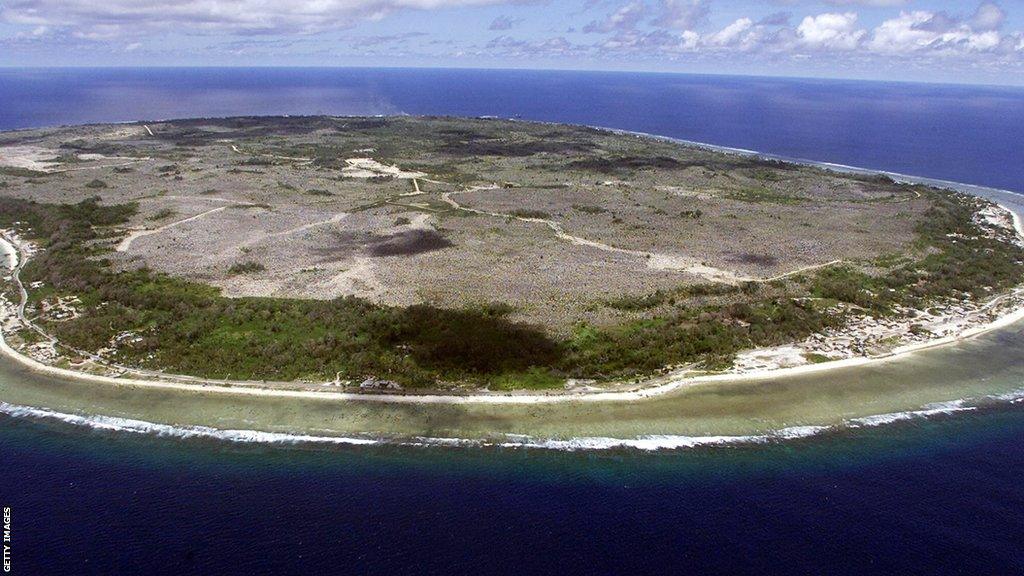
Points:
29	157
370	168
42	159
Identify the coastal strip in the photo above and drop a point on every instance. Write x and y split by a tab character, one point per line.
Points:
669	384
17	254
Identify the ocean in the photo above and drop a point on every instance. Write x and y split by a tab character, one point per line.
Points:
957	133
935	495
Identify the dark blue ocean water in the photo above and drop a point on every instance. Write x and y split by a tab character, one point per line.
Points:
964	134
939	496
932	497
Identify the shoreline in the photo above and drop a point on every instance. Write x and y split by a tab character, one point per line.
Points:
657	386
673	383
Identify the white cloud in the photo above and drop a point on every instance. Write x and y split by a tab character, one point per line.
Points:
828	37
922	30
737	33
921	33
834	31
907	32
107	18
634	29
688	40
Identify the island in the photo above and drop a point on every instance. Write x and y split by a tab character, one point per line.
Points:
403	257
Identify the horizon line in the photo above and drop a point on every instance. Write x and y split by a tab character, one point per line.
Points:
513	69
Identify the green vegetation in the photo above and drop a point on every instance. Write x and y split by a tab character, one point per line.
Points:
96	184
958	260
532	379
247	267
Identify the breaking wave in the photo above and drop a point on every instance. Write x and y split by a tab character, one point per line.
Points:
928	410
646	443
115	424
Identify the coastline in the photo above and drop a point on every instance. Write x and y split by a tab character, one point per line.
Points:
655	387
674	383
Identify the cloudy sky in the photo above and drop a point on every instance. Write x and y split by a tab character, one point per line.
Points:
970	42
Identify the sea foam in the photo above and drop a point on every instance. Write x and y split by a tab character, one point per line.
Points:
646	443
116	424
935	409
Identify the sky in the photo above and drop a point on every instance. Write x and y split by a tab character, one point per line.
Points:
918	40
